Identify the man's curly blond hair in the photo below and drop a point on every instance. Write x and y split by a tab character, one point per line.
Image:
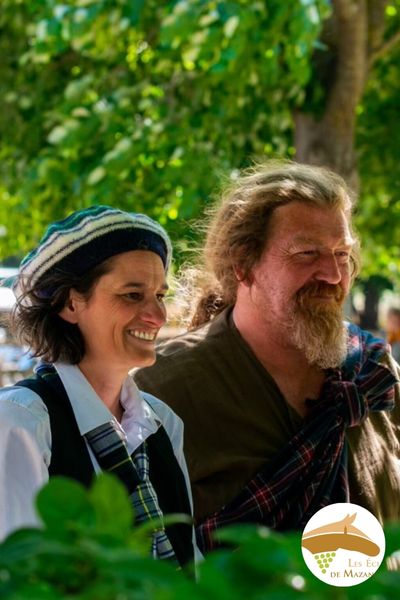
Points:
238	225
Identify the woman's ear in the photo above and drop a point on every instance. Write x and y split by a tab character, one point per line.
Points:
72	307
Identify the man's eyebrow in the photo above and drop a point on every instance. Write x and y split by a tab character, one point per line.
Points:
300	239
350	241
140	285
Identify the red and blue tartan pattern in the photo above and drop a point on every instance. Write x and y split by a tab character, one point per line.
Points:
310	472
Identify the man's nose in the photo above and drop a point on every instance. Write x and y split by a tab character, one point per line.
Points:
329	270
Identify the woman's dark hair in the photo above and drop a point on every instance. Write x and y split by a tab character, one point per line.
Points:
35	319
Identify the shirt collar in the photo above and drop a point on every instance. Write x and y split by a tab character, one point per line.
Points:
138	421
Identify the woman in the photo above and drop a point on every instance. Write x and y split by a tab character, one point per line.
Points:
90	303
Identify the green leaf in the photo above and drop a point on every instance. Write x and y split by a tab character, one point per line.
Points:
96	175
231	25
19	545
112	506
77	87
64	505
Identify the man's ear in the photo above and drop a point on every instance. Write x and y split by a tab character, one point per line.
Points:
72	307
247	280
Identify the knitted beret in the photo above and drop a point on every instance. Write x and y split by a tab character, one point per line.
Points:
88	237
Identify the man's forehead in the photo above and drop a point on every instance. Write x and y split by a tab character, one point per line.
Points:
307	222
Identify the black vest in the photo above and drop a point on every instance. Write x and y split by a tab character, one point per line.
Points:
70	458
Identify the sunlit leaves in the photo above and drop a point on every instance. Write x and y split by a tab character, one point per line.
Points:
127	102
145	104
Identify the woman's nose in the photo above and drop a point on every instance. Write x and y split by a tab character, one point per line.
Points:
155	313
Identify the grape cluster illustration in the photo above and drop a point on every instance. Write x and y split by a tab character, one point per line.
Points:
324	560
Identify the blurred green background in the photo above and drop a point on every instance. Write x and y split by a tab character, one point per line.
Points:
149	105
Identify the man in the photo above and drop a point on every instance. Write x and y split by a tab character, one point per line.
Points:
286	408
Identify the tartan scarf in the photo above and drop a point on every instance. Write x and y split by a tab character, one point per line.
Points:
310	472
108	445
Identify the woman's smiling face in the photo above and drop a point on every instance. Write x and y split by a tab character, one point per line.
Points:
122	317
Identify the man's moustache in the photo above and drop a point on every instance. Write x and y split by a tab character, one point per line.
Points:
314	290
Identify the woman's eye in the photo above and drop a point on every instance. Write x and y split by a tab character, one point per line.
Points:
138	297
135	296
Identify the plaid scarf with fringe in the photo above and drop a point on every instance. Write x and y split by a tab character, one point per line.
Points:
310	472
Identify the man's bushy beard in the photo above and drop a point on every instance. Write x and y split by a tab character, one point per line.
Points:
317	326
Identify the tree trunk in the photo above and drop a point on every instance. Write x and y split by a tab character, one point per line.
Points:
328	140
369	317
353	40
321	143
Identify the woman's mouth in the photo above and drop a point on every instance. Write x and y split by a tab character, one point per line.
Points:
149	336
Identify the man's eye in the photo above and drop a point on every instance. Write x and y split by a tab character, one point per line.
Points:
307	253
343	256
161	297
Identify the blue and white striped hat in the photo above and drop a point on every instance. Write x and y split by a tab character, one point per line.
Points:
87	237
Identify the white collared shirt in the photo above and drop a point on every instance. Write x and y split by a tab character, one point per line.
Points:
25	437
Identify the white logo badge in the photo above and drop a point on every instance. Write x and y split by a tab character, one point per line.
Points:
343	544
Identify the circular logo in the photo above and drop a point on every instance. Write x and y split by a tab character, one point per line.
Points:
343	544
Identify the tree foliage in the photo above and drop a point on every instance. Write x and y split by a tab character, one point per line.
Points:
142	104
147	104
378	144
